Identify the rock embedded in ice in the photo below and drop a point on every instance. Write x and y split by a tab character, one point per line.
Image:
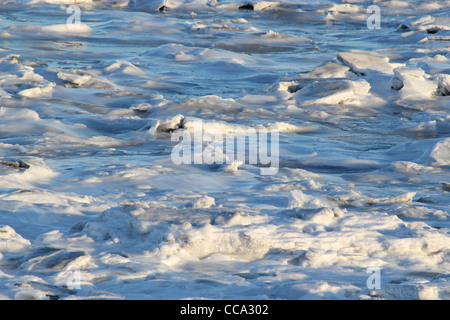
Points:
15	164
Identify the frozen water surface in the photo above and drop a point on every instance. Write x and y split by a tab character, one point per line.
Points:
92	205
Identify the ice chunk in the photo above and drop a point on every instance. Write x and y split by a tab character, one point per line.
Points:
56	260
83	79
41	92
435	152
232	167
345	8
363	63
328	70
298	199
204	202
124	67
413	84
414	22
265	5
326	92
324	216
331	92
169	125
12	68
10	241
440	154
60	30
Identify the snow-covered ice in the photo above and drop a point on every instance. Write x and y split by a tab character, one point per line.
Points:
93	207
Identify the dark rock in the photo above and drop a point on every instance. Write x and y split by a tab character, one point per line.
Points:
247	6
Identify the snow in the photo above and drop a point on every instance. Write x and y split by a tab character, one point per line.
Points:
92	205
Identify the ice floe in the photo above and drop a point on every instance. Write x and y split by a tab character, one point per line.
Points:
92	205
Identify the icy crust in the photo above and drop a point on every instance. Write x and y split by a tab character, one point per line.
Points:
101	212
202	231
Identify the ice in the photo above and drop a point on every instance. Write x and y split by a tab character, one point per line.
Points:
93	206
413	84
124	67
332	92
52	259
37	92
204	202
328	70
434	152
82	79
10	241
440	155
58	30
364	63
444	84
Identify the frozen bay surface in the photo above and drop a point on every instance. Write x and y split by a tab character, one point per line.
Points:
93	207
